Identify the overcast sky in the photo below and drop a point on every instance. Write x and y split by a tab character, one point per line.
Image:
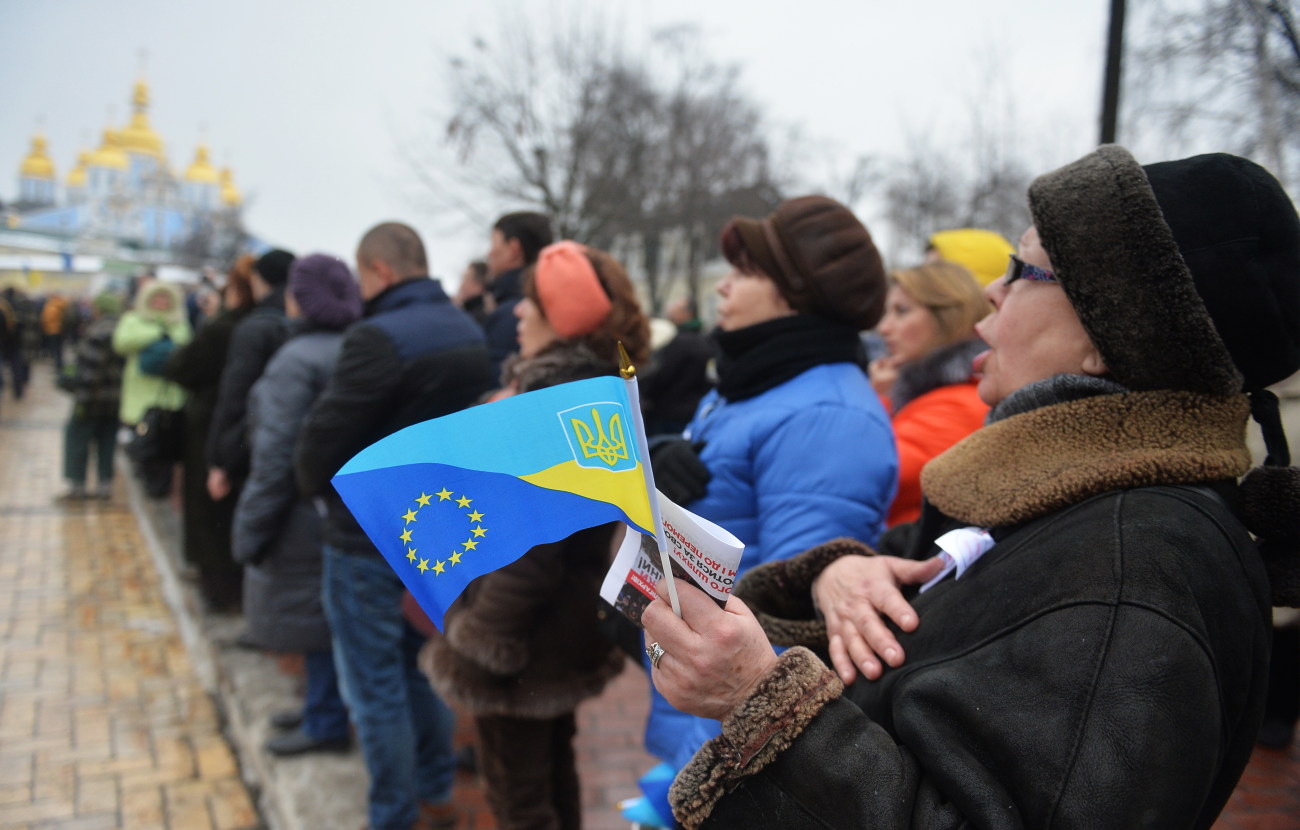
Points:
307	99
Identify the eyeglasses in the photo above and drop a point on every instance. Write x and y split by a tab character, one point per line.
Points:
1018	268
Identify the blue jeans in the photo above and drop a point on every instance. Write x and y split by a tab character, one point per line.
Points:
77	438
324	715
404	727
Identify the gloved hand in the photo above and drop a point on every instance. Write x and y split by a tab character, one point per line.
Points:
679	473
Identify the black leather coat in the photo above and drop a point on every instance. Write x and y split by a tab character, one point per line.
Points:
1103	665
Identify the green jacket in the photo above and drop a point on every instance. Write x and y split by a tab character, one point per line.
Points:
139	390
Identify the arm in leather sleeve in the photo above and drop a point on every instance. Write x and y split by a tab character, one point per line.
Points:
780	596
971	743
355	402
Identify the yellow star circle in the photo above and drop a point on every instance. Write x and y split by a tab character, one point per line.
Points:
439	566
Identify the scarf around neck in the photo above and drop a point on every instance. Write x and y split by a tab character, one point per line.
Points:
765	355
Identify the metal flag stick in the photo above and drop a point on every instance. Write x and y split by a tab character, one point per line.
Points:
628	371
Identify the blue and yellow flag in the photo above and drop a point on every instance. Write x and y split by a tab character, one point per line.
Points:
453	498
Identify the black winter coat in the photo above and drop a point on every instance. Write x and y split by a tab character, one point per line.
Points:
277	532
252	344
1103	665
678	376
414	356
198	367
501	327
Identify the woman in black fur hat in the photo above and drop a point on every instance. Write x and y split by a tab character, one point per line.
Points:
1093	649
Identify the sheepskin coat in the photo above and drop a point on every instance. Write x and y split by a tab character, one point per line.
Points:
1102	665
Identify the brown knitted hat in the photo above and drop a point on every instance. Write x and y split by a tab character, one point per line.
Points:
820	257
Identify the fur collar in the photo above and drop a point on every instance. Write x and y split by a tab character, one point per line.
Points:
944	366
1034	463
561	362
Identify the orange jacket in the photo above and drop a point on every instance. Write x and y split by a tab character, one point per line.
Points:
924	428
52	315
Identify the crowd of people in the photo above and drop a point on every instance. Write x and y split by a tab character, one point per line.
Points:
1001	565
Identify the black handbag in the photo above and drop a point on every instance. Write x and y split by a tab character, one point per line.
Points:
159	436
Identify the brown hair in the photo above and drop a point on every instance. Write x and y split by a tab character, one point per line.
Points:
532	230
240	280
626	321
735	252
396	244
951	294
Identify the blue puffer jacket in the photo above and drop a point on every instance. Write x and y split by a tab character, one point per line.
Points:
803	463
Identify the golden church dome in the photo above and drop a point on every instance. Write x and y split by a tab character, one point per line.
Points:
201	171
77	177
138	136
37	165
229	193
110	153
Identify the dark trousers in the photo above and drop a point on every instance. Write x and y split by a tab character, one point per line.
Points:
531	774
77	438
324	715
54	345
1283	702
18	369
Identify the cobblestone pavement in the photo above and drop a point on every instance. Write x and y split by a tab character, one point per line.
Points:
104	722
123	704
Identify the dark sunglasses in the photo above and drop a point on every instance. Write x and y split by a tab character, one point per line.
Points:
1018	268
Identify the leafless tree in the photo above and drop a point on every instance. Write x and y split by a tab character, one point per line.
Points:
1216	75
574	124
978	182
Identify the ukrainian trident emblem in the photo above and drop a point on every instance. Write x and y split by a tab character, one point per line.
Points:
598	436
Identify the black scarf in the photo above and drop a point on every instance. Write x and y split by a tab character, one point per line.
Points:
765	355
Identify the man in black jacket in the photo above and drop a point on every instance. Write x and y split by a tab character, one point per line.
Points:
414	356
517	239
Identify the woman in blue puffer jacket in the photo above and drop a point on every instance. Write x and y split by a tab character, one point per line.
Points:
793	448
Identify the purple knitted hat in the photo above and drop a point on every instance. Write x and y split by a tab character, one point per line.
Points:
324	289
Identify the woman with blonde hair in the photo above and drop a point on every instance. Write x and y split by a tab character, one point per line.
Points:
926	379
498	656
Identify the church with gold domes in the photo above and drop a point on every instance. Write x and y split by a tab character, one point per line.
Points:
126	192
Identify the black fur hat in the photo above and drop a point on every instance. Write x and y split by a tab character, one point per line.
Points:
1186	275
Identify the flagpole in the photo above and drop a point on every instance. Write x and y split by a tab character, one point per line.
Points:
628	371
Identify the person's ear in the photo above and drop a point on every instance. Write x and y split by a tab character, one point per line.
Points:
1094	365
516	251
384	271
